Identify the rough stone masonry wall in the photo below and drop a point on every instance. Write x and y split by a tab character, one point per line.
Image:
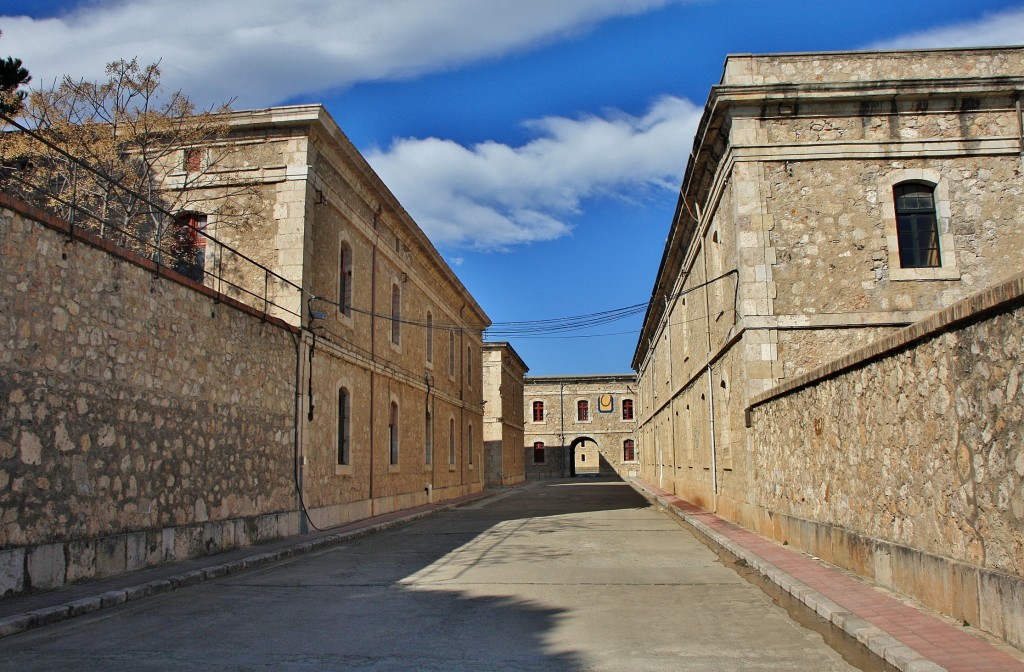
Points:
904	461
141	420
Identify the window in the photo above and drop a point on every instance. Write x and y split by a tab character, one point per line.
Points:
451	441
538	452
193	160
916	225
428	439
344	426
451	353
345	280
628	451
538	411
188	245
430	338
469	365
470	446
582	410
627	409
393	432
396	315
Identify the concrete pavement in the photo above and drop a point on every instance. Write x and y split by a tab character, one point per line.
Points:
565	575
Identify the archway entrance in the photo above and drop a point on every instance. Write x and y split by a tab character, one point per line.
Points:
584	457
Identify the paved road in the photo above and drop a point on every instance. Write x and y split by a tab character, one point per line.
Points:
569	575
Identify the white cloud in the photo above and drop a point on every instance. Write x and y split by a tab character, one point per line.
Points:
1001	28
261	52
491	195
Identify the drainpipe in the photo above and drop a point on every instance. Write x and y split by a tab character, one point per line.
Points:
299	343
714	451
561	418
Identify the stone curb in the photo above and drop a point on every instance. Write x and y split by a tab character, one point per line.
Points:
17	623
879	642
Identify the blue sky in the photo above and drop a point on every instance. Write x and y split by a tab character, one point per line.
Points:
539	144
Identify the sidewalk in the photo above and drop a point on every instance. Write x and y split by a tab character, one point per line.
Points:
24	612
908	638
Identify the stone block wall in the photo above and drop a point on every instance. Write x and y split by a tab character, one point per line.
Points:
143	418
903	461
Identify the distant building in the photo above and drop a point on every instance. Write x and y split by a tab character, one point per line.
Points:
503	415
580	425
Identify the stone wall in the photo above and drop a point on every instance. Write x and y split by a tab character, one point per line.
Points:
143	418
904	462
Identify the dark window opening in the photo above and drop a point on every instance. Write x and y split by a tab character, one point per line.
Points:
917	228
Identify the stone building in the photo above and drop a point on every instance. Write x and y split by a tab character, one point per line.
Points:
396	365
829	200
580	425
321	365
503	414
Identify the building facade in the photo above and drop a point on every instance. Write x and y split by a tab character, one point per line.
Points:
321	364
392	339
830	199
503	370
580	425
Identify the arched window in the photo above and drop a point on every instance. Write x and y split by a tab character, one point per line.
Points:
451	441
430	337
628	451
396	315
582	410
469	366
538	452
393	432
344	426
917	228
538	411
469	447
345	280
451	353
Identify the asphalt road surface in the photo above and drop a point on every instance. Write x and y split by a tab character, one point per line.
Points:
562	575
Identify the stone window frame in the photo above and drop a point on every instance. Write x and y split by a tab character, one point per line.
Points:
452	444
632	446
543	412
947	249
343	385
394	435
428	340
345	276
451	354
396	315
590	416
632	409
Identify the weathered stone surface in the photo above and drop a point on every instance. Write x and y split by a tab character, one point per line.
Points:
47	566
12	571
